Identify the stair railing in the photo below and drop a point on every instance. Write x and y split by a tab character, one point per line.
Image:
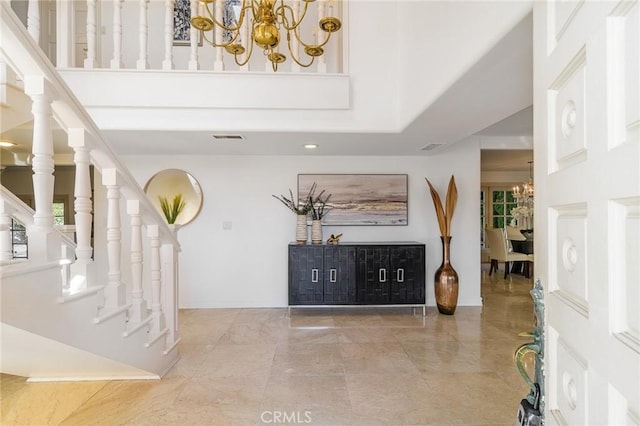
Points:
123	197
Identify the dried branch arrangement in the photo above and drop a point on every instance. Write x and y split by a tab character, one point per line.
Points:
172	209
445	214
298	207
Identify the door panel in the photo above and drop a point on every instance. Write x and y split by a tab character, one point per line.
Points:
587	156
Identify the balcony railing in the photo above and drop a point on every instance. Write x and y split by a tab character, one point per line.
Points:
150	34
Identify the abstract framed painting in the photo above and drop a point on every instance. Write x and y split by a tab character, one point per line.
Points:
361	199
182	23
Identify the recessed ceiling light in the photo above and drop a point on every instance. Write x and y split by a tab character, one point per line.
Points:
6	144
311	146
229	137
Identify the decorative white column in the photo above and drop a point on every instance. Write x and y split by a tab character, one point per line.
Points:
142	63
193	35
82	192
157	323
114	292
218	65
90	60
138	311
6	254
167	64
116	61
33	20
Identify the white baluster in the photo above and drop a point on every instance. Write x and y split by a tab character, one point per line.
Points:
138	311
167	64
114	291
6	254
194	33
82	192
295	44
218	65
90	60
322	65
142	63
116	61
42	149
33	20
157	323
65	51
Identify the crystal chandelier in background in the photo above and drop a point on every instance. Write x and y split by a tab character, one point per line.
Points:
262	21
524	194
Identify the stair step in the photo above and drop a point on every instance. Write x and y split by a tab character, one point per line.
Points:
156	338
111	314
79	294
136	327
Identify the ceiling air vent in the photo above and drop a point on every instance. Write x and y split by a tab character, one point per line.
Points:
431	146
229	137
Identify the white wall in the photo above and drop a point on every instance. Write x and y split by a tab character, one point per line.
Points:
247	265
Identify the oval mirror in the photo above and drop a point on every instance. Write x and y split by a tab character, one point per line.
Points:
172	186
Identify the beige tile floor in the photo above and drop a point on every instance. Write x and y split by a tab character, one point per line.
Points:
321	367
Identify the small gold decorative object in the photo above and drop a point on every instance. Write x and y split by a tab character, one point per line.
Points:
334	239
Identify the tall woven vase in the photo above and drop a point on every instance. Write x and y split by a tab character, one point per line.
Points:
446	282
301	229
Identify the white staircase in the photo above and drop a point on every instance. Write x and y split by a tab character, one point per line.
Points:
106	306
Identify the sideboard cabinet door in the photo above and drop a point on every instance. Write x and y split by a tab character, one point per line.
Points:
373	275
306	281
407	274
339	274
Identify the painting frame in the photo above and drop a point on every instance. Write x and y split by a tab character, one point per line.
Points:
182	24
361	199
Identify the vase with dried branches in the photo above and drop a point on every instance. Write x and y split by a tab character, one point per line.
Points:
172	209
301	208
319	209
446	278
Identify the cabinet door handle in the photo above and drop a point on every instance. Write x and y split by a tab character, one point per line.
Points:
333	275
382	275
314	275
400	275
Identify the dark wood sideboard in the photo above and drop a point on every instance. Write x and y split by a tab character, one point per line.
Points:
376	273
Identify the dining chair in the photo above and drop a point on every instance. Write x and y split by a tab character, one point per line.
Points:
500	253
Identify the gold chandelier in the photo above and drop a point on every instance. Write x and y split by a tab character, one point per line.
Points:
266	18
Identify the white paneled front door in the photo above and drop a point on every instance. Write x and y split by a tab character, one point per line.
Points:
587	211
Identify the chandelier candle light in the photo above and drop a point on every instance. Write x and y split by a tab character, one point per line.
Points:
266	19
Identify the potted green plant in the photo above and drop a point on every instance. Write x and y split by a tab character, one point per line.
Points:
172	209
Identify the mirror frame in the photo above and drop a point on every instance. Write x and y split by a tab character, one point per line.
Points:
169	183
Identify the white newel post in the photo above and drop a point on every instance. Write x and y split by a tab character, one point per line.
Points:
218	65
142	63
167	64
138	311
116	61
43	167
6	254
90	60
193	35
33	20
114	292
157	323
169	273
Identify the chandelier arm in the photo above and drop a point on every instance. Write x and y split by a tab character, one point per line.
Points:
280	10
246	59
214	44
293	55
221	25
